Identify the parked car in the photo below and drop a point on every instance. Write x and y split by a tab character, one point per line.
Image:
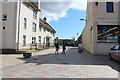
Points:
115	52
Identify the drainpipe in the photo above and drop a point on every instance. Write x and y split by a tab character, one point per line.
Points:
18	25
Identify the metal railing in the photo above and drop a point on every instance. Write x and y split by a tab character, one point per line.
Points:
36	46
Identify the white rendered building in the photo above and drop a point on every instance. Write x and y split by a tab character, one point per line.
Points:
21	27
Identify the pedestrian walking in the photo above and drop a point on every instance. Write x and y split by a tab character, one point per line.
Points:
56	47
79	48
64	48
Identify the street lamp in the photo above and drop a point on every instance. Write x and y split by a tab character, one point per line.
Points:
83	20
77	35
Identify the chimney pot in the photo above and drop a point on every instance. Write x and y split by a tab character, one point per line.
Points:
44	18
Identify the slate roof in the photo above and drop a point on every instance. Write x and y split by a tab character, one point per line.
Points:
44	22
34	3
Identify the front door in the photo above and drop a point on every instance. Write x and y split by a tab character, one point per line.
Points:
48	41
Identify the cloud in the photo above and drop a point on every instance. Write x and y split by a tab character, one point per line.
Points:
56	10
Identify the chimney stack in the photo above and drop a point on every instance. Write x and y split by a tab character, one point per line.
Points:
45	19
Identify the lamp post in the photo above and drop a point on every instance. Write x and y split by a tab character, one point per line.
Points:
83	20
77	35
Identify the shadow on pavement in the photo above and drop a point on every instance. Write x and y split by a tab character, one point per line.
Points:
72	57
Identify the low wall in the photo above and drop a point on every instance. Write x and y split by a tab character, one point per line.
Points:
104	48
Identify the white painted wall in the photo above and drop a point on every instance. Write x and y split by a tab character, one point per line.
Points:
1	26
8	34
15	24
0	39
28	14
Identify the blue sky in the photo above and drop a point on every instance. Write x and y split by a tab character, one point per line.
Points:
65	17
69	26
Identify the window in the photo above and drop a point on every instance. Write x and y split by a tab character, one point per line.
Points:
24	40
39	28
44	29
34	14
108	33
116	47
34	27
33	41
25	23
51	33
4	17
39	39
44	40
109	7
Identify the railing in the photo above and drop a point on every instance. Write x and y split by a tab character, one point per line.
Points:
36	46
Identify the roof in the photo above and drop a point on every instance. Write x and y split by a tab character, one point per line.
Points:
45	23
34	4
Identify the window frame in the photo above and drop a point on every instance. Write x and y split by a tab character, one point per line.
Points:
40	28
24	40
34	27
34	14
108	11
25	23
109	28
33	41
115	46
39	39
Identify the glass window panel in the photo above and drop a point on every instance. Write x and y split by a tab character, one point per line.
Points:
109	6
34	27
108	33
116	47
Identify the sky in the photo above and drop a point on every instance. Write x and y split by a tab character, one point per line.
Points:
65	17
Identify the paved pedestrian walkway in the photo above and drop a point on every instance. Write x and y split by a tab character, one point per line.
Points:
46	64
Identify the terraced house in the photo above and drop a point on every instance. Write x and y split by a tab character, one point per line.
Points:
22	27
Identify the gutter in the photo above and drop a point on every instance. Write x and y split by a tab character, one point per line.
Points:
18	25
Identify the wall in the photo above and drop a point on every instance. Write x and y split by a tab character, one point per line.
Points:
1	26
104	18
27	13
8	34
87	34
96	15
104	48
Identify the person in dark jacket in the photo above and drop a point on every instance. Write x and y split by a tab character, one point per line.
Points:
57	47
63	47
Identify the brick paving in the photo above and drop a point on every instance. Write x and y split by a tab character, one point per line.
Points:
46	64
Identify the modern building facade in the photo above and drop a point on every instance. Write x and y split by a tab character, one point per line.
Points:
22	26
102	28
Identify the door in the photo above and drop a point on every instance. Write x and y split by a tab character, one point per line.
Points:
48	41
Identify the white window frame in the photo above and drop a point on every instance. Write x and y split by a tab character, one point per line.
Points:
34	27
39	39
24	40
34	41
34	14
25	23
